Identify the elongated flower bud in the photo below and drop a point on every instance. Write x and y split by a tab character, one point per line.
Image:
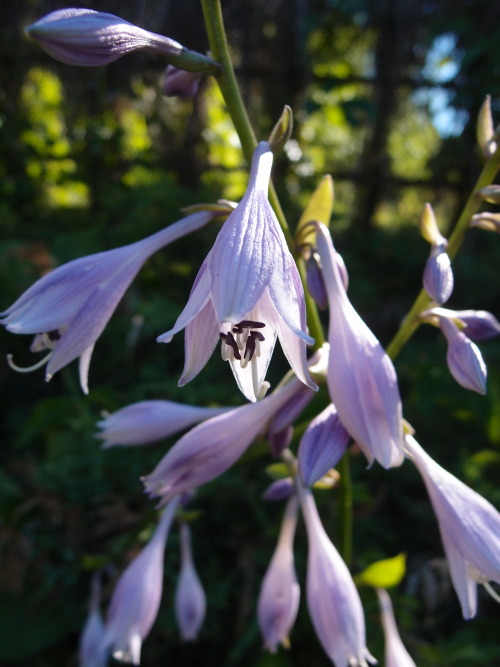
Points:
464	358
280	592
190	600
91	651
438	274
396	654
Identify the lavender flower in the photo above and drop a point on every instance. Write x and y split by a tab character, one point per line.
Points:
148	421
361	377
210	448
322	445
247	292
396	654
179	83
438	274
280	592
333	601
469	527
88	38
464	358
190	600
91	652
137	595
280	489
476	324
69	308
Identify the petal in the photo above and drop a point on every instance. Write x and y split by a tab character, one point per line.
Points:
465	586
200	338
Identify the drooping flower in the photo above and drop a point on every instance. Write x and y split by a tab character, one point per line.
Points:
212	447
91	652
469	527
476	324
396	654
279	596
190	600
136	598
333	600
361	377
69	307
247	292
149	421
463	357
322	445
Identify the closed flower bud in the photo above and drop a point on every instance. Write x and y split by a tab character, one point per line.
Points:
485	130
396	654
280	489
464	358
315	281
487	221
428	226
190	600
476	324
91	652
438	274
179	83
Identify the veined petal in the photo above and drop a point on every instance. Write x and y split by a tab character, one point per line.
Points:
201	338
465	586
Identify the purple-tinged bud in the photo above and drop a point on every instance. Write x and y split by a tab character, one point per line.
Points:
149	421
279	440
333	600
438	274
315	281
280	489
287	414
179	83
280	592
190	600
88	38
361	377
396	654
488	221
322	445
136	598
464	358
477	324
91	652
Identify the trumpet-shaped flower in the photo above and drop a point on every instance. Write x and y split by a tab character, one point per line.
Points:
361	377
190	600
69	307
88	38
333	600
210	448
396	654
149	421
463	357
279	596
469	527
247	293
322	445
136	598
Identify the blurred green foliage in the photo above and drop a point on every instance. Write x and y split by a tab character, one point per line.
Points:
95	159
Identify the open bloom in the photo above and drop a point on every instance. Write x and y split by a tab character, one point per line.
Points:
279	596
247	292
396	654
69	307
190	600
148	421
136	598
361	377
333	600
88	38
210	448
469	527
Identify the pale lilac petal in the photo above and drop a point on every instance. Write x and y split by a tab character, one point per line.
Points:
396	654
83	368
137	595
201	338
211	448
438	274
87	38
287	295
149	421
91	652
361	377
469	526
322	445
179	83
479	324
464	358
190	601
279	596
280	489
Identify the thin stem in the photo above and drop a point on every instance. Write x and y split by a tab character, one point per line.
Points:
411	322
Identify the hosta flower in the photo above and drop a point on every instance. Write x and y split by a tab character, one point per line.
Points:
179	83
322	445
476	324
136	598
463	357
190	600
280	592
438	274
469	527
210	448
69	307
333	600
247	292
361	377
148	421
396	654
91	652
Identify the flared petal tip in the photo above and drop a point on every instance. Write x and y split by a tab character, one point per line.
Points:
165	338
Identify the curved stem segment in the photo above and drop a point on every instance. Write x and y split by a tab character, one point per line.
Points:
411	322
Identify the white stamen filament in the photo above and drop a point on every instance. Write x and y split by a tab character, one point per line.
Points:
28	369
491	591
255	376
